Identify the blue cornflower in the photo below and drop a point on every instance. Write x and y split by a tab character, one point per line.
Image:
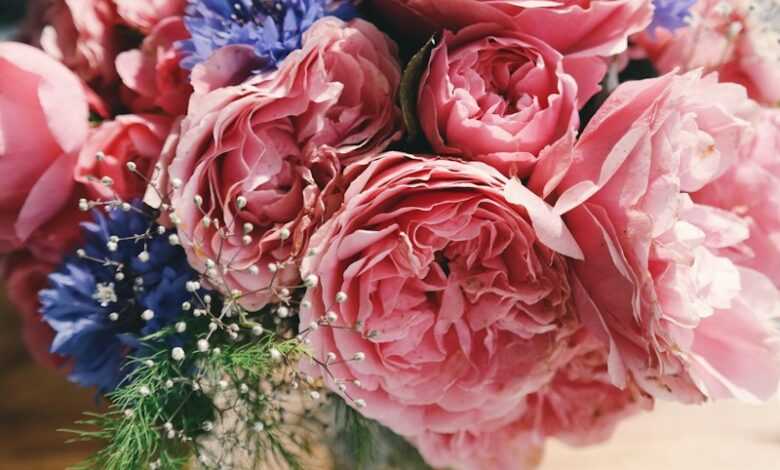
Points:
100	310
670	14
272	27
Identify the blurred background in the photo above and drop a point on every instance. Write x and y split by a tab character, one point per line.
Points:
36	403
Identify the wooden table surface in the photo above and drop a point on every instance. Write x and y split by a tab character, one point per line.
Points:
727	436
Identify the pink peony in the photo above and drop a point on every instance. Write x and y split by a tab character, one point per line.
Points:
456	302
501	96
750	190
43	124
82	35
110	146
146	14
740	39
579	406
152	73
23	276
274	144
584	27
681	320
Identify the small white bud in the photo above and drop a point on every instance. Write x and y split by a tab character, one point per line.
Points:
178	354
330	357
126	206
168	426
284	233
213	326
254	270
129	413
107	181
359	357
147	315
81	253
131	166
305	303
273	267
181	327
198	200
112	245
207	298
223	384
258	427
341	297
169	384
206	221
331	317
315	395
241	202
113	316
216	351
314	326
276	356
143	256
283	312
186	306
246	239
360	403
244	388
203	345
248	227
175	219
192	286
173	239
120	276
311	280
83	205
144	391
176	183
257	330
357	383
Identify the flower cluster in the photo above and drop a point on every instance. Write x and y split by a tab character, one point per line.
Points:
456	218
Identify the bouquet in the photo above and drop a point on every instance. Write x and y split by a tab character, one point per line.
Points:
391	233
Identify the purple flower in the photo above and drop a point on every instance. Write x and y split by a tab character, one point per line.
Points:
670	14
272	27
98	302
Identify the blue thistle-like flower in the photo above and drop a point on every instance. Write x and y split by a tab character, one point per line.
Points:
272	27
100	310
670	14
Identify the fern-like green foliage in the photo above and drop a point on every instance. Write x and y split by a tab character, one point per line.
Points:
161	415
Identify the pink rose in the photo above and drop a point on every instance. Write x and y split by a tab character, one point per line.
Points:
145	15
261	154
750	190
82	35
501	96
579	406
653	286
737	38
152	73
43	124
129	138
449	302
584	27
24	276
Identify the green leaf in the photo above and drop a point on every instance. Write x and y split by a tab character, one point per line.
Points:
363	444
410	83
